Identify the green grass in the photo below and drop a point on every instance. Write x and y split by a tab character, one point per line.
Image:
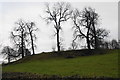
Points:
88	66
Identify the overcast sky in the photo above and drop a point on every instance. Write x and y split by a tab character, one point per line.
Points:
10	12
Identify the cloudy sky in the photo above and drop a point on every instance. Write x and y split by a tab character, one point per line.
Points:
10	12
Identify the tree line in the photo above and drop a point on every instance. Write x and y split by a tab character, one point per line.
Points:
85	27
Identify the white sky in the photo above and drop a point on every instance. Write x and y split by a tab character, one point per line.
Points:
31	11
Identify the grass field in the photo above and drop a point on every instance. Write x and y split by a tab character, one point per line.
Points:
88	66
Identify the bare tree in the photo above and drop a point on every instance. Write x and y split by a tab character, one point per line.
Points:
82	25
18	35
31	29
58	13
85	27
94	21
9	53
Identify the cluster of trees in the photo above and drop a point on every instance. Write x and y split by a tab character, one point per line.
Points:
113	44
85	24
85	28
23	38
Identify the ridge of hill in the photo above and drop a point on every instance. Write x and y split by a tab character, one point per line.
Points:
64	54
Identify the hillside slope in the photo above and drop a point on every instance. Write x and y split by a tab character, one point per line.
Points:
50	64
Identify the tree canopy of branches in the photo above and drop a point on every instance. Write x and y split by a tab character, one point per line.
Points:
58	13
85	27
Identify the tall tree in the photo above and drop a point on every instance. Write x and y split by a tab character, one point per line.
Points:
58	13
19	35
31	28
94	21
85	27
82	25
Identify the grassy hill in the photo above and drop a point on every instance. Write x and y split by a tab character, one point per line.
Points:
69	63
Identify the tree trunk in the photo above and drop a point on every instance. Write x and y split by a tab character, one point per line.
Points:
8	59
96	43
22	52
88	43
8	55
32	44
58	43
87	38
94	31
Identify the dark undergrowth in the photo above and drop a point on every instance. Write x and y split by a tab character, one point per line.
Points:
29	76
